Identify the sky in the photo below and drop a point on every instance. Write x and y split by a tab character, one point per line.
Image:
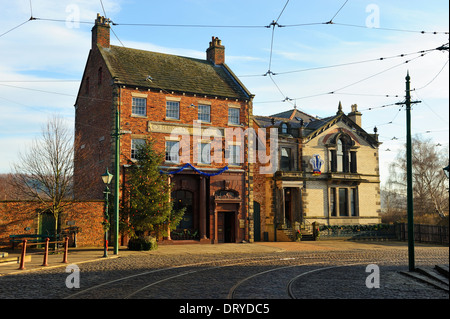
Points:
283	51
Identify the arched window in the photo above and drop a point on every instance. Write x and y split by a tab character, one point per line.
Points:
284	128
342	157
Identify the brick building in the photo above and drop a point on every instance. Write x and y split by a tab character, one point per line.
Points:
196	110
328	172
199	114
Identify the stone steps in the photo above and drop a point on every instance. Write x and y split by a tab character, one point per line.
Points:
436	277
288	234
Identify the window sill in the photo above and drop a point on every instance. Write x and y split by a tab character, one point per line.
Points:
139	116
171	163
203	122
235	125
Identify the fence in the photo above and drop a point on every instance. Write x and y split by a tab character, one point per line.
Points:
359	232
422	233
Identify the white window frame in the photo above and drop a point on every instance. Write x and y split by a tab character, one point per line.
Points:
234	119
204	113
135	143
204	153
172	154
139	106
234	155
173	110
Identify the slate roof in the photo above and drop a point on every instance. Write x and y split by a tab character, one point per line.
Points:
311	125
172	73
294	114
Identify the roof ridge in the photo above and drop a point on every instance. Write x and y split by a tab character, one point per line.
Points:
159	53
172	72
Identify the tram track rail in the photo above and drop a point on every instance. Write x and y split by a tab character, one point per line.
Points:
160	270
164	275
275	275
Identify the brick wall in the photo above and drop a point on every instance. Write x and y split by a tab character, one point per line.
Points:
17	216
93	128
138	126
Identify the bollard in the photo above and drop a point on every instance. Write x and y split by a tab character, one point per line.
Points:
66	248
45	263
22	257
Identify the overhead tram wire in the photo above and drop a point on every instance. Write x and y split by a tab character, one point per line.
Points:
109	20
378	73
38	81
18	26
331	22
344	87
338	11
189	25
273	24
343	64
359	81
434	78
384	29
233	26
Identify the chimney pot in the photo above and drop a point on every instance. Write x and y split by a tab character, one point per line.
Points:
100	32
216	51
355	115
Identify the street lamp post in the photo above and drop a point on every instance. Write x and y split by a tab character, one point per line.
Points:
107	177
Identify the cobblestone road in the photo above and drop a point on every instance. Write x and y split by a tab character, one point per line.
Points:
329	270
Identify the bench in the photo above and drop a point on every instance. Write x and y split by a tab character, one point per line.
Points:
33	238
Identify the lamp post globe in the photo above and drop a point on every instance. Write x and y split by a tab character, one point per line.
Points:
106	177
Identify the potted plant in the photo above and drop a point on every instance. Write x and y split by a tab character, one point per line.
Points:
298	235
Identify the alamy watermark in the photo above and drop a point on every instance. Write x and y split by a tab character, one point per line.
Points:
73	17
373	19
231	146
373	279
73	280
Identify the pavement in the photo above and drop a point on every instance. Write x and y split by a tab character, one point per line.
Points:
325	269
86	255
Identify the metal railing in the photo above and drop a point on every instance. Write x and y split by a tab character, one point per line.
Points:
45	258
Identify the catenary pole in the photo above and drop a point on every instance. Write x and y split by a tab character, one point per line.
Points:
117	171
409	193
409	181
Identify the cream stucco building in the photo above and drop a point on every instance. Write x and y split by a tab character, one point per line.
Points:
328	173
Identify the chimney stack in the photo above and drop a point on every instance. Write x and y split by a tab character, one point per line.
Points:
100	32
355	115
216	51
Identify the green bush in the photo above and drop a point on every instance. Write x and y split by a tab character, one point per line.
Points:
142	243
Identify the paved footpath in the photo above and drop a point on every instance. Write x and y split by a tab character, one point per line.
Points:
328	269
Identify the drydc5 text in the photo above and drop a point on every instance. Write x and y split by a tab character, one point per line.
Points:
227	308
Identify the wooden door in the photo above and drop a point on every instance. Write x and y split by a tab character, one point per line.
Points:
226	227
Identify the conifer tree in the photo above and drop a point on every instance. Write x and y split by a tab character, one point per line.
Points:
149	210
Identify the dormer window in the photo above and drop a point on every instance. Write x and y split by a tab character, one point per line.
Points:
284	128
